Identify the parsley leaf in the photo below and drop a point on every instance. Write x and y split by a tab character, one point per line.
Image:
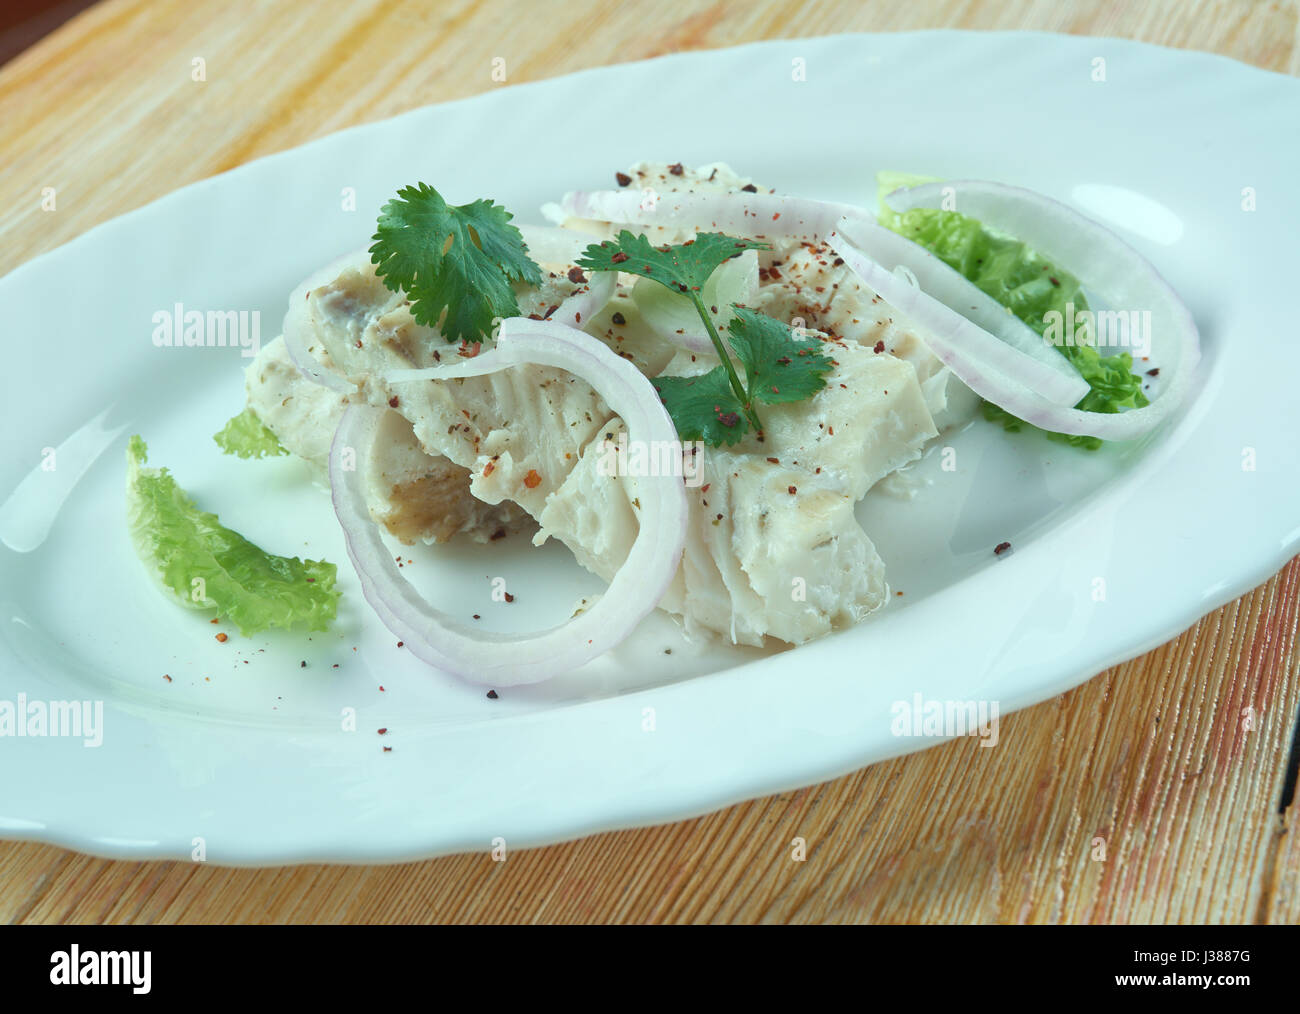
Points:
682	268
460	261
704	407
778	366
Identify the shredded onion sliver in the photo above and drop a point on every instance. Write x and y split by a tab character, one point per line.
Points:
762	216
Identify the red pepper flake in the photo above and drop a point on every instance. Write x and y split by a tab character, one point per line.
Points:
400	644
477	616
830	430
775	461
392	402
492	695
792	490
618	258
676	169
388	749
336	665
878	348
1154	372
509	597
167	678
383	731
213	620
576	275
776	216
1054	281
705	487
532	480
489	468
1001	548
222	638
381	690
623	179
618	318
749	188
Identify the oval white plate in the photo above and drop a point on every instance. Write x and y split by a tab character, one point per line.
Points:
252	755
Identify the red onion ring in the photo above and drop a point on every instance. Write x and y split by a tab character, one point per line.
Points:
1103	262
511	659
985	346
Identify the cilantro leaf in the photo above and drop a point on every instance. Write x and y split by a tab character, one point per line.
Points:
682	268
716	407
248	437
704	407
778	367
459	261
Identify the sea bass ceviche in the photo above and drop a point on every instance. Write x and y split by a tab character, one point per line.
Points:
688	379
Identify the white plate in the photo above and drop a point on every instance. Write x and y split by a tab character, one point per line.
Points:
252	758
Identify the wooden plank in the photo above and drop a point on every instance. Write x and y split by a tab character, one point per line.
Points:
1153	757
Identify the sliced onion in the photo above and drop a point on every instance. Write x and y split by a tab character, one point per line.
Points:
297	325
510	659
982	341
762	216
1104	263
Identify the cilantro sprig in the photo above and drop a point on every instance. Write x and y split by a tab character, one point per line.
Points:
717	407
460	261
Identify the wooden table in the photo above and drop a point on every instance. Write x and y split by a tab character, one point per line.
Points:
1150	756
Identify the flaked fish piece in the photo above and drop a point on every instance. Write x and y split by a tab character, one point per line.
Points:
813	287
771	551
416	496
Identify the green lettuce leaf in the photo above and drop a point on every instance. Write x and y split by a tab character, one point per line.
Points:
247	436
1031	287
207	566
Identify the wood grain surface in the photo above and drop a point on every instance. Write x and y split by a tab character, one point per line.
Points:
1153	793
